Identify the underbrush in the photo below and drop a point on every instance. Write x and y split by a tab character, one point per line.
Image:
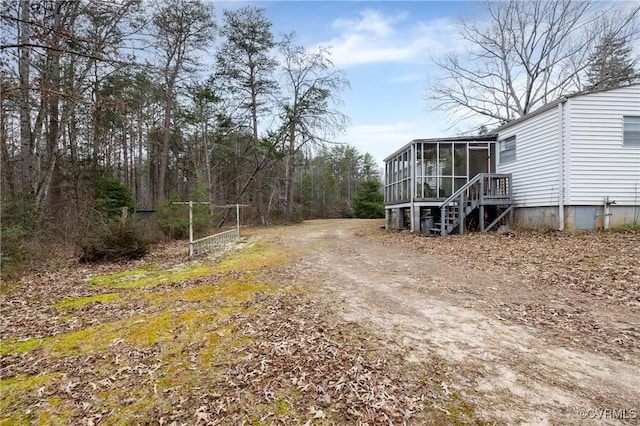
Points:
113	241
24	234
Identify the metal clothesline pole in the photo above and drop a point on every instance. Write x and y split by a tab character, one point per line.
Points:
190	228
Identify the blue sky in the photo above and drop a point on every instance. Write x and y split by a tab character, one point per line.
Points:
386	49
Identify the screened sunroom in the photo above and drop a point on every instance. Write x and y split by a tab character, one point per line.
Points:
425	172
432	169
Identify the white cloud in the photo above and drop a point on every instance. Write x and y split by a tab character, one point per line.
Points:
370	22
374	37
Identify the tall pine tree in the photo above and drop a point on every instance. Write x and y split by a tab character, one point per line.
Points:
611	65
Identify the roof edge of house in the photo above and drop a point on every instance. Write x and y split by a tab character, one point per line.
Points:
488	137
493	134
553	104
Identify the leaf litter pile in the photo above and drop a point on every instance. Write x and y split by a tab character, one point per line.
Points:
231	339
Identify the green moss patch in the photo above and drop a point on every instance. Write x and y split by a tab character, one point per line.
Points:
251	258
12	346
21	388
136	367
150	276
142	364
254	257
23	382
79	302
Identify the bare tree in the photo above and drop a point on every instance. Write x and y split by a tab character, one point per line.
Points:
56	45
526	54
310	113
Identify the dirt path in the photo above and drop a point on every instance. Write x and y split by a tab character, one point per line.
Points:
516	372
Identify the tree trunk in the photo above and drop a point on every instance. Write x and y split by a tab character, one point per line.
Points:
207	165
291	169
53	92
125	156
26	135
259	159
164	154
6	174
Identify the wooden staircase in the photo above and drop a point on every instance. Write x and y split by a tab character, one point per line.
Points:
483	190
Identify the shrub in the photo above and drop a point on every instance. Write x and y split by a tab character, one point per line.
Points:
173	219
111	195
114	241
368	202
13	251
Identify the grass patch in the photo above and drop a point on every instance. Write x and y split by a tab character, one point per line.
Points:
22	383
627	227
8	286
184	345
142	331
150	276
254	257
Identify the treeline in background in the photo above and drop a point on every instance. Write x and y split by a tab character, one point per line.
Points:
138	104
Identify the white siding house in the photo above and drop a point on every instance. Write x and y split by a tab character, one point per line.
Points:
572	164
576	162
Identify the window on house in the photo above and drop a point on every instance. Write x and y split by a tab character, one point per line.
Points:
508	150
631	131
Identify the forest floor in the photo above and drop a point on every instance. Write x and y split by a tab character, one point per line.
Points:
332	322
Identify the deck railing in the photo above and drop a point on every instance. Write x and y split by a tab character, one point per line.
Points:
487	187
482	190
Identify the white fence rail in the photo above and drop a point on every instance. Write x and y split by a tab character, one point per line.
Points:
205	244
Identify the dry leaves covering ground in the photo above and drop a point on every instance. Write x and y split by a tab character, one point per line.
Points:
573	286
231	339
286	327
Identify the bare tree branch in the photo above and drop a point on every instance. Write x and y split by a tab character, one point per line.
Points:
524	55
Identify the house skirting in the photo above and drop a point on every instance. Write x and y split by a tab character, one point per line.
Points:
576	218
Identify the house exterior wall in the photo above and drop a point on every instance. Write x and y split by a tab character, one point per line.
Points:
599	164
596	164
536	167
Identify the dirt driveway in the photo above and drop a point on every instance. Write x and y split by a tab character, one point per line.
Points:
536	328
